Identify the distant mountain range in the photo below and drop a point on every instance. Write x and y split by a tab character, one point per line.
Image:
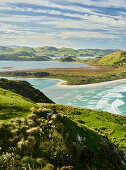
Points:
44	53
114	59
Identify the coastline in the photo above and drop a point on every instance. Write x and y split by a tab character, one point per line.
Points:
60	84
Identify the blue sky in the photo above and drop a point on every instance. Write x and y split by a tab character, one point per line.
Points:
63	23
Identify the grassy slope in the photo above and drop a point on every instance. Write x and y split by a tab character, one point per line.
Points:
114	59
111	125
30	136
25	89
13	105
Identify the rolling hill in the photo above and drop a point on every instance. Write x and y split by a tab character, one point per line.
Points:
114	59
25	89
50	136
44	53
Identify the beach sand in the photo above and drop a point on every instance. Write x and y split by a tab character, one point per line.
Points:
61	84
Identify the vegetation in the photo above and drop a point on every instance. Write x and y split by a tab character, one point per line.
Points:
59	140
68	59
50	136
115	59
44	53
13	105
25	89
77	76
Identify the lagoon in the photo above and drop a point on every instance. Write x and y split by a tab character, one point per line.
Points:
24	65
111	98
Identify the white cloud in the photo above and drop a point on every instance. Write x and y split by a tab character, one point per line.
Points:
101	3
90	23
85	34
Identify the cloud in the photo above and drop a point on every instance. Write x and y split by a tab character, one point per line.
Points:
101	3
85	34
58	22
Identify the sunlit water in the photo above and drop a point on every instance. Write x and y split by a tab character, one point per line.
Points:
111	98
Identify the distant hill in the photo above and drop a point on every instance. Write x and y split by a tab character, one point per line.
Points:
44	53
114	59
67	59
96	52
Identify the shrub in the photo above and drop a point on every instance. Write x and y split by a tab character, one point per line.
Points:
124	126
28	162
67	168
33	130
33	110
41	162
124	134
30	122
49	167
75	112
32	116
45	110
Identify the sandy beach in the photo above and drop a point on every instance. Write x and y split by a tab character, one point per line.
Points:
61	84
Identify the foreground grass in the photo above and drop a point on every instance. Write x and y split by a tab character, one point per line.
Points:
111	125
39	141
13	105
50	136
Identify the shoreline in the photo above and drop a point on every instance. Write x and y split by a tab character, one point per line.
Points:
60	84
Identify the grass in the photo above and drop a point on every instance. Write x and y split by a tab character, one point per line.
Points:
116	59
13	105
60	140
110	125
75	76
78	137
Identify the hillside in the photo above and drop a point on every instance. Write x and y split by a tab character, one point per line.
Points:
13	105
62	139
51	136
114	59
25	89
44	53
68	59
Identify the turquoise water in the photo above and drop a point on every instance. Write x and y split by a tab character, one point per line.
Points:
111	98
23	65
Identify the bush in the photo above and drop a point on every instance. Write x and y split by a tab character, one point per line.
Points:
41	162
32	116
49	167
124	134
28	162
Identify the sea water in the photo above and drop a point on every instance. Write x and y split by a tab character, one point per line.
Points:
111	97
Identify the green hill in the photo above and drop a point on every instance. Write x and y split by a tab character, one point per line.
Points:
114	59
62	139
25	89
51	136
96	52
13	105
68	59
44	53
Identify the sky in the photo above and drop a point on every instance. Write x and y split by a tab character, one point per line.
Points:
63	23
